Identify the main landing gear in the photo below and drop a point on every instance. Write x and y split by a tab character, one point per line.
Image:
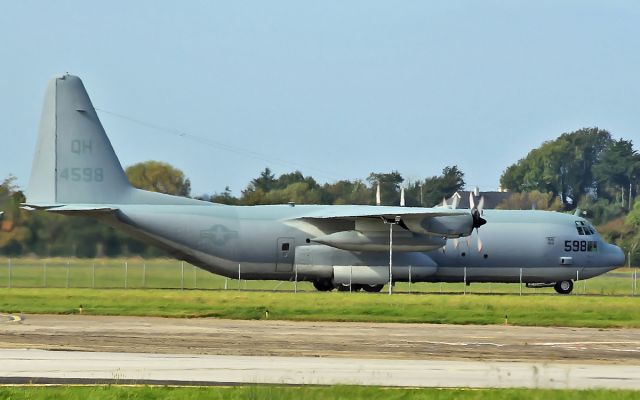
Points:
564	287
324	285
328	285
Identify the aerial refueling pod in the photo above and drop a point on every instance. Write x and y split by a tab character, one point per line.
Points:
315	262
379	275
403	241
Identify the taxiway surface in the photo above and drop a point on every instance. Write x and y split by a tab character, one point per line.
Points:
321	339
213	369
215	351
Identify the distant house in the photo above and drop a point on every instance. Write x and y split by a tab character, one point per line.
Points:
491	199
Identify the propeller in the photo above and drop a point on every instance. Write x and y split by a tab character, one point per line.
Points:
476	214
455	201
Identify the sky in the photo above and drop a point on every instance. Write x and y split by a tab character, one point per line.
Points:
335	89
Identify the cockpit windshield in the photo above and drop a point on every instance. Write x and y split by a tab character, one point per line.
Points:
584	229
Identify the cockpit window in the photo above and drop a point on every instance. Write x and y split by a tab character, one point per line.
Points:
584	229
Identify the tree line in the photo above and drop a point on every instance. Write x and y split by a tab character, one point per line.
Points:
49	235
586	169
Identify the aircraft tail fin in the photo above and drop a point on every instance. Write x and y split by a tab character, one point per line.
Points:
74	161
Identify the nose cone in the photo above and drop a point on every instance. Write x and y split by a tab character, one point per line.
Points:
616	255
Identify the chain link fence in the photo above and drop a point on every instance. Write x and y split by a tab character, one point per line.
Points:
172	274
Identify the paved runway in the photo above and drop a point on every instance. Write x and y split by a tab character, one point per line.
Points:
204	369
322	339
213	351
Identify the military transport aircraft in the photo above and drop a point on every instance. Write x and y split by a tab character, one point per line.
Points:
76	172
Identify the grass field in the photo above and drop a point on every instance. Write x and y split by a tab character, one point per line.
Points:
531	310
167	273
308	393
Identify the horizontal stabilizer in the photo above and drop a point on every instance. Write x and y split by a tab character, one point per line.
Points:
75	209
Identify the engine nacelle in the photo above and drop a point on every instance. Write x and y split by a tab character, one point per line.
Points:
450	226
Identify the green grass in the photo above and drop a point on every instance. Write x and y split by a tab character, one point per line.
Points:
167	273
577	311
305	392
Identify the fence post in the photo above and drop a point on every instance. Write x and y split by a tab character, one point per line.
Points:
295	281
181	275
409	278
195	277
350	277
67	280
465	281
225	282
577	277
239	276
520	281
635	281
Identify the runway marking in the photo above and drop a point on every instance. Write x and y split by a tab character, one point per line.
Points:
14	318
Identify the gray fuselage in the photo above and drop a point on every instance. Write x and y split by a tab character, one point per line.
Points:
270	242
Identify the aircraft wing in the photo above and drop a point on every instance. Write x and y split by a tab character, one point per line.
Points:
353	212
439	221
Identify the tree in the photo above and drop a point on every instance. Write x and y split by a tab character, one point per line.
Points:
563	166
389	186
430	192
157	176
224	198
265	182
618	168
531	200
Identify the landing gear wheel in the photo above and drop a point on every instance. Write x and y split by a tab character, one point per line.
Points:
563	287
344	287
323	285
372	288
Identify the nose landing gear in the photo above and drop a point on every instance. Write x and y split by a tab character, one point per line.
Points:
563	287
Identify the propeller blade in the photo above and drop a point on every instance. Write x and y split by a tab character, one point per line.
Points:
472	203
444	202
454	203
479	244
402	197
456	243
481	205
